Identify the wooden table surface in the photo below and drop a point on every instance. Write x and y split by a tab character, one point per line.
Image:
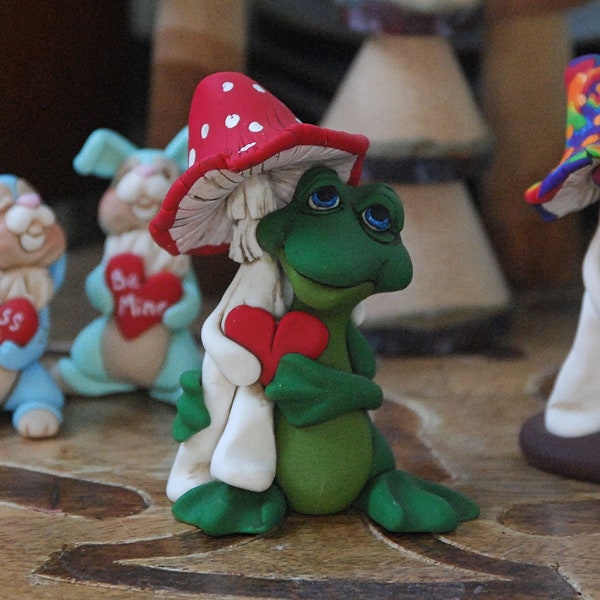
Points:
85	515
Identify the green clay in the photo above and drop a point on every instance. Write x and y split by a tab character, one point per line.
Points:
192	415
221	509
316	486
337	244
329	454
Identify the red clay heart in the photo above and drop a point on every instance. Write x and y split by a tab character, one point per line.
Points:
256	330
140	302
18	321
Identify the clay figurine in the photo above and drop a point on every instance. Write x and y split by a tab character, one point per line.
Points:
247	152
565	438
278	418
32	268
147	298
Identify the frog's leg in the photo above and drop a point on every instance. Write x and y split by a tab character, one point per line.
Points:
183	355
221	509
402	502
83	372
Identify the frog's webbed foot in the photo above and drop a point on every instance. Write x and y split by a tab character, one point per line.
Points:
401	502
221	509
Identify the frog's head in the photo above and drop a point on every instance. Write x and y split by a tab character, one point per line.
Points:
338	243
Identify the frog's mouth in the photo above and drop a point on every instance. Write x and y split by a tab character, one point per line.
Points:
320	295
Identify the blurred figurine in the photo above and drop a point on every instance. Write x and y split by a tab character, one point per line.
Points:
278	417
32	268
565	439
147	298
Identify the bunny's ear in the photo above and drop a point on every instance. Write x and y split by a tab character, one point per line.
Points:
8	190
103	153
9	183
177	149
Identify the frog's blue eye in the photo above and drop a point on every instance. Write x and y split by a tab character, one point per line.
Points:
324	198
377	217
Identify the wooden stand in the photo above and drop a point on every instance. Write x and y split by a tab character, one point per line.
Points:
85	515
526	48
409	96
457	299
192	39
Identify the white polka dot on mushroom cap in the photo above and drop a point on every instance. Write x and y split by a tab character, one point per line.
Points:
255	127
227	86
232	120
247	147
204	130
259	88
192	157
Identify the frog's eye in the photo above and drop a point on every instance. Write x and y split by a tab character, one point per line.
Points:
377	217
324	198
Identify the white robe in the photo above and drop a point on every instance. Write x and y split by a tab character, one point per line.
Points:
238	447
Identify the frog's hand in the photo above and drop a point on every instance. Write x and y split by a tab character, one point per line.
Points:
183	312
192	414
98	292
308	393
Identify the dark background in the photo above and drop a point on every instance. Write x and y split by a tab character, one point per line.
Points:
70	66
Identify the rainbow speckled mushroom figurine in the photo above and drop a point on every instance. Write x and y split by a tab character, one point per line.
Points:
565	439
278	418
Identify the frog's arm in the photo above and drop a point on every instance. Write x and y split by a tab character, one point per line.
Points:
183	312
192	415
15	358
362	357
308	393
97	291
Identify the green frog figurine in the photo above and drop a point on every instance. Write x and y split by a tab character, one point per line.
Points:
336	244
277	419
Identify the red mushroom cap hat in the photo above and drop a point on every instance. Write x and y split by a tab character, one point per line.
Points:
237	129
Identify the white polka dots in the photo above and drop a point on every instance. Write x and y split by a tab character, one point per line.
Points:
239	120
237	129
231	121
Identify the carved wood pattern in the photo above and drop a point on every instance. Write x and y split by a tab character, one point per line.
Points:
85	515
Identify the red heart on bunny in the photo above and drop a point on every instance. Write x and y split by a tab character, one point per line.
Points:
140	302
18	321
257	330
